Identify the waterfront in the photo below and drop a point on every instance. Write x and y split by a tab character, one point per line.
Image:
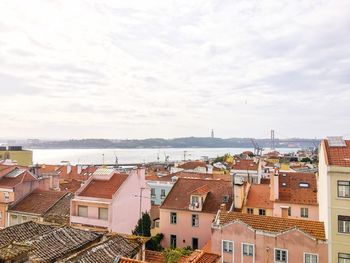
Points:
108	156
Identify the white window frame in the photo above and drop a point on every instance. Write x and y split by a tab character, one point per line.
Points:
302	215
242	251
313	254
173	215
274	255
222	249
196	220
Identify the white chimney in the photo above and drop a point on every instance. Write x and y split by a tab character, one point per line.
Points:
69	168
276	184
79	168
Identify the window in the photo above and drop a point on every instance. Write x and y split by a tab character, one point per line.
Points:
6	195
195	220
153	192
162	193
310	258
226	198
343	258
227	246
304	212
281	255
344	224
344	189
262	212
304	185
156	224
82	211
250	210
103	213
247	249
194	243
173	218
173	241
289	211
153	202
194	199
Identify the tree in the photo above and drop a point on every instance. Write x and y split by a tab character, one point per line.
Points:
143	227
174	255
154	243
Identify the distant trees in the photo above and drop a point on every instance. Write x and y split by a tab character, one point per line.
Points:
143	227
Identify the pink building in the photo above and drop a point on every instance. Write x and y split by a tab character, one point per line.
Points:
249	238
111	200
16	182
189	209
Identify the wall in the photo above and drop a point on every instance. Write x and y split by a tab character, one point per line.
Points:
157	185
295	210
183	228
126	205
294	241
269	212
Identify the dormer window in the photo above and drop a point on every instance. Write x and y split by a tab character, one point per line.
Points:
304	185
226	198
195	201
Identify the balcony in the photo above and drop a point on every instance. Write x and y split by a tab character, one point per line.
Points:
195	206
89	221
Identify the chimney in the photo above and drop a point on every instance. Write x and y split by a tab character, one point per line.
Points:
79	168
275	184
223	207
69	168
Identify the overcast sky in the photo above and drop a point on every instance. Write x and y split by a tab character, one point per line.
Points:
138	69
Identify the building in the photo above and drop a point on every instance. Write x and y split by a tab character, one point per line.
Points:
240	237
258	200
16	182
247	169
193	166
111	201
17	155
334	196
41	206
189	209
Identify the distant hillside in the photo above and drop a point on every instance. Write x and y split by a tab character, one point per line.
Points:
188	142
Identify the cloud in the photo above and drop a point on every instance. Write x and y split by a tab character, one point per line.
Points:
91	68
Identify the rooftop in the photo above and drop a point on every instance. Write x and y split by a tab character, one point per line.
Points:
179	195
11	177
275	224
245	165
338	155
298	188
192	165
104	188
38	202
259	196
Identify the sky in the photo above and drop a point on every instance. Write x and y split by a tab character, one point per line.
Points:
140	69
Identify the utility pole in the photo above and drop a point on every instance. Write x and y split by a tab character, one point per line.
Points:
185	155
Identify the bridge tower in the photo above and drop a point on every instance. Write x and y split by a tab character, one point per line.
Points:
273	146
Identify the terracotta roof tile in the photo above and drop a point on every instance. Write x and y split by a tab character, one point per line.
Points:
7	181
275	224
245	165
38	202
179	195
154	256
339	156
104	188
259	196
192	165
182	174
291	192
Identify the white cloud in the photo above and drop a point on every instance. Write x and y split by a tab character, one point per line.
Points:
123	69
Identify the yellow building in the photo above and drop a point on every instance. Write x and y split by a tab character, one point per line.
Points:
334	196
17	154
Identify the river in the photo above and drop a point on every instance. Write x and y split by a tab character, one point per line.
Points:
108	156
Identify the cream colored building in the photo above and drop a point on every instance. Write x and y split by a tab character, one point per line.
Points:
17	154
334	196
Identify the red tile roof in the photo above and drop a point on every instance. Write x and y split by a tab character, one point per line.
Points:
38	202
245	165
104	188
275	224
291	192
179	195
339	156
181	174
259	196
197	256
10	182
192	165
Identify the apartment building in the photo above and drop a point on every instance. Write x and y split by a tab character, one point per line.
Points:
334	196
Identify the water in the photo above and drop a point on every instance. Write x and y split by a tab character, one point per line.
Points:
95	156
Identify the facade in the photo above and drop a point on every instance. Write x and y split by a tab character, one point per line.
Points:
249	238
17	155
248	170
334	196
111	201
16	182
189	209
